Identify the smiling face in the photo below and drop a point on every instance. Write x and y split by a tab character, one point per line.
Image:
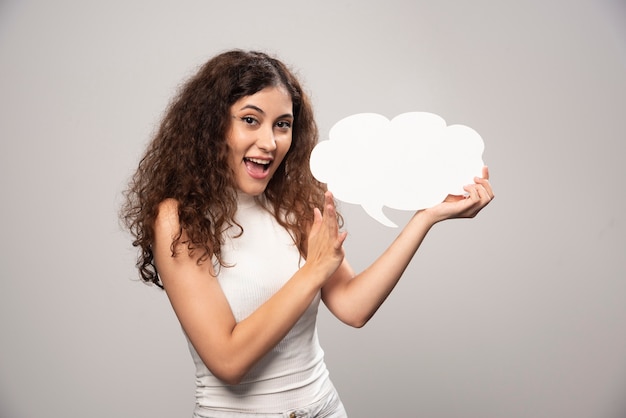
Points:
259	137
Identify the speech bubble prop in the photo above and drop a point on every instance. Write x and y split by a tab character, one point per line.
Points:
411	162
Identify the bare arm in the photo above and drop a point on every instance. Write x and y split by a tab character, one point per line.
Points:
354	298
229	349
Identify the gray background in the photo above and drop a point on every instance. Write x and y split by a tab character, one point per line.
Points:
518	313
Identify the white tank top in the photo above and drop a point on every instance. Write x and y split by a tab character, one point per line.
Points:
293	373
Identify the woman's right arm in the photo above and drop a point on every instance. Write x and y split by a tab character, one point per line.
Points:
229	349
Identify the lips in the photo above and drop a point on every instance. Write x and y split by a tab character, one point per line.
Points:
257	168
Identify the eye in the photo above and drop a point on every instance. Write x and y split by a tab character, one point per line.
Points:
283	124
249	120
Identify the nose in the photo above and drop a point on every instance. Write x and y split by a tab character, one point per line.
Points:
266	141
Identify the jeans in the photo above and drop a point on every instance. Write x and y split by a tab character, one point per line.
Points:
328	407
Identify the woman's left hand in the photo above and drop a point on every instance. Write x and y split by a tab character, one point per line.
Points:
466	206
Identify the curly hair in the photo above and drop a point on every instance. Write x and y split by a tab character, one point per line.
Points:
187	160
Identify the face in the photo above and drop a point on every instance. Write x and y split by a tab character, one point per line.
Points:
259	137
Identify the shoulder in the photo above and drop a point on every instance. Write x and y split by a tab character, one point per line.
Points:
167	215
167	223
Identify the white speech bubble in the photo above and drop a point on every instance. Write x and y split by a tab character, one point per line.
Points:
409	163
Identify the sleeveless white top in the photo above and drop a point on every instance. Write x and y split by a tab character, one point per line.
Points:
293	373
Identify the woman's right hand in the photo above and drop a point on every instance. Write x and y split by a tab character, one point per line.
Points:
325	242
227	347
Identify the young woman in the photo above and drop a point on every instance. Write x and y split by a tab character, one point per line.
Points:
245	242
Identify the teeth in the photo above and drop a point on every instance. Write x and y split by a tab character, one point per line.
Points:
258	161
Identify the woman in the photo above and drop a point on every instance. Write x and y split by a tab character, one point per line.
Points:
246	242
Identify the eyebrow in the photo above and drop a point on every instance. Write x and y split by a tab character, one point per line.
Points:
258	109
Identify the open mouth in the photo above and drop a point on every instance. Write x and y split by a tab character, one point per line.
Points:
257	167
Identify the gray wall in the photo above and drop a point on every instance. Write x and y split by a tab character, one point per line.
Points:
518	313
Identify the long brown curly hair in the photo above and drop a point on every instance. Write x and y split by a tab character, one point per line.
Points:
187	160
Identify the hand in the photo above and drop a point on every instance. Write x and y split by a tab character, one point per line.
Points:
325	242
466	206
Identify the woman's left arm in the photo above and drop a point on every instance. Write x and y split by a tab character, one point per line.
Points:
354	298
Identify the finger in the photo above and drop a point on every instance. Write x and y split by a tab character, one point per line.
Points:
486	187
329	199
475	194
340	239
317	219
330	219
472	193
486	173
483	194
480	195
486	190
484	182
329	205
